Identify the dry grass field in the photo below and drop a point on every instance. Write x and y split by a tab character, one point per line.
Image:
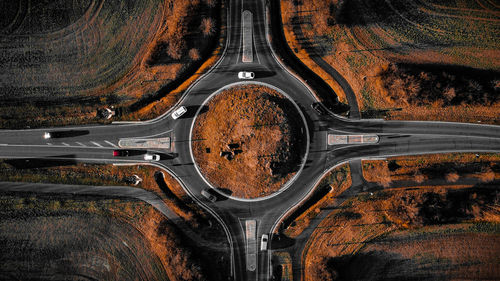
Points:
256	149
411	59
418	233
62	60
166	187
47	237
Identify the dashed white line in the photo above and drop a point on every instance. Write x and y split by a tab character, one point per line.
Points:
49	143
110	143
65	144
95	143
79	143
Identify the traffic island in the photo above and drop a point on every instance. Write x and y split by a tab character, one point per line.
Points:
249	141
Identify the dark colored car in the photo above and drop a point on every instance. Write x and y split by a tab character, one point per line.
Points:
319	108
120	152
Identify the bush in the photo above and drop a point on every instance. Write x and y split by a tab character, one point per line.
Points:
194	54
207	27
487	175
452	177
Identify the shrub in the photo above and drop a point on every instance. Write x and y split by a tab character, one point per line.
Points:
211	3
382	174
487	175
194	54
419	177
452	177
207	27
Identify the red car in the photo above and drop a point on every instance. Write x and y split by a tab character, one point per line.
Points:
120	152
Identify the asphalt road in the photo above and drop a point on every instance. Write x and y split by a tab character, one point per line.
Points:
94	144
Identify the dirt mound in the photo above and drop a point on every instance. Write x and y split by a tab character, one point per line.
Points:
249	141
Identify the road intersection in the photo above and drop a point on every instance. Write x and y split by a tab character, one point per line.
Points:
96	143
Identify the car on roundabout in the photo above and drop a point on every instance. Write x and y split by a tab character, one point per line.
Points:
319	108
208	195
246	75
119	153
151	157
263	242
179	112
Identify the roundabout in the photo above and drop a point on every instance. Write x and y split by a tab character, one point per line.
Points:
249	141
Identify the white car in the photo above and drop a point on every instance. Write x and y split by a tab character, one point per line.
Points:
209	196
179	112
151	157
263	242
47	135
246	75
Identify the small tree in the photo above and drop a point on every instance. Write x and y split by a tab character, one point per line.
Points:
211	3
487	175
449	94
419	177
381	174
207	27
175	48
194	54
452	176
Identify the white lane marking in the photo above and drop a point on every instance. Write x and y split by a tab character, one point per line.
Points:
60	146
110	143
3	144
95	143
255	46
65	144
79	143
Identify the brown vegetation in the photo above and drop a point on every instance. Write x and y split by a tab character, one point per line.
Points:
133	240
343	239
166	187
379	173
363	40
207	27
427	255
452	176
248	141
453	166
140	79
413	85
326	192
487	175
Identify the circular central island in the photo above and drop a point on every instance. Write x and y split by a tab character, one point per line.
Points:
248	141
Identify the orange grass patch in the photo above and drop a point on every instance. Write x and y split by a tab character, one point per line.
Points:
248	141
353	228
